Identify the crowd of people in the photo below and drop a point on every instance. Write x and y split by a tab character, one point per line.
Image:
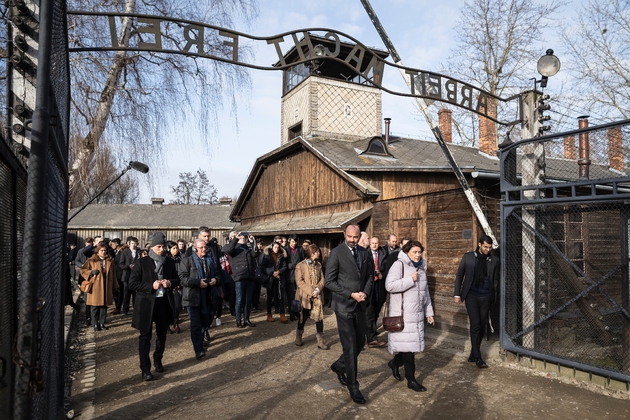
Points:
205	279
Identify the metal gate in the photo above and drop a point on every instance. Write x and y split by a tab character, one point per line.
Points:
33	202
565	249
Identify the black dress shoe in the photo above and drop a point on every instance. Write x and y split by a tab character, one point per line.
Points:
103	327
96	328
239	324
416	386
340	375
395	371
481	364
200	355
88	321
357	397
147	376
158	366
471	359
250	324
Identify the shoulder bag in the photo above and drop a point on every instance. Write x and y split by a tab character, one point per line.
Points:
395	323
86	286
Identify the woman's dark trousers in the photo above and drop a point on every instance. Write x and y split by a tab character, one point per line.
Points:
407	360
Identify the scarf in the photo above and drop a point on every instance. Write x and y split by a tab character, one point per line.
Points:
159	264
275	259
418	264
205	292
482	269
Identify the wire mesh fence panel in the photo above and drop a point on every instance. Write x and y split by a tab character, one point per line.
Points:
40	209
7	286
50	291
565	256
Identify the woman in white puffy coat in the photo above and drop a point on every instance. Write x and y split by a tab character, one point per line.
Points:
407	284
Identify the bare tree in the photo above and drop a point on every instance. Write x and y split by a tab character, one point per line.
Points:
194	189
131	101
95	178
497	49
600	57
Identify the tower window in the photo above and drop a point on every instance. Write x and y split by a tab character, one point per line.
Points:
294	76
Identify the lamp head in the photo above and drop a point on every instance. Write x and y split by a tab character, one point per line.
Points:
548	64
139	166
319	50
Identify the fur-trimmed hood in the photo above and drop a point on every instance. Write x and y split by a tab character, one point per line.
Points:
282	253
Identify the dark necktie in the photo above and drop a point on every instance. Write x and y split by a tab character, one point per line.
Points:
355	255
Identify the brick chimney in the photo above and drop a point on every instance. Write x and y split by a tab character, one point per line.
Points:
569	148
615	149
488	130
445	120
157	201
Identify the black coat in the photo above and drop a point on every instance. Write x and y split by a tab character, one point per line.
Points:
378	289
466	273
189	277
268	267
343	277
141	280
242	261
126	258
293	260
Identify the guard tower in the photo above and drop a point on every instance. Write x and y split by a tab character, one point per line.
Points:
327	98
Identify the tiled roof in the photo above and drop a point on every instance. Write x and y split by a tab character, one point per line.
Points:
140	216
406	154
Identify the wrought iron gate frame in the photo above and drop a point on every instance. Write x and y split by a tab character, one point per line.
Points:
513	198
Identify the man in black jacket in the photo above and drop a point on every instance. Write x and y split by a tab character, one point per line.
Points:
150	277
476	284
378	295
350	276
200	277
242	258
127	259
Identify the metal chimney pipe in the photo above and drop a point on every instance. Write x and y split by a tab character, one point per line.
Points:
584	161
387	121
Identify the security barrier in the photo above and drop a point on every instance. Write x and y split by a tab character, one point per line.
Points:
565	249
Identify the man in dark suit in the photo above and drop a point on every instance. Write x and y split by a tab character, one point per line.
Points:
476	284
350	277
379	294
150	277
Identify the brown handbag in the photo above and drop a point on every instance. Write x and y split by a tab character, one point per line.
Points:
395	323
86	286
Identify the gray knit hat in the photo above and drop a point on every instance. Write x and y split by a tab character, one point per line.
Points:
158	238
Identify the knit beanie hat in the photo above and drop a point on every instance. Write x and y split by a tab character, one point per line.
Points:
158	238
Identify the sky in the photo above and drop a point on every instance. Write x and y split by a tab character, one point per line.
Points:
422	31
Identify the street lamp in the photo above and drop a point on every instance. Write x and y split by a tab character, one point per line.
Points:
548	65
138	166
